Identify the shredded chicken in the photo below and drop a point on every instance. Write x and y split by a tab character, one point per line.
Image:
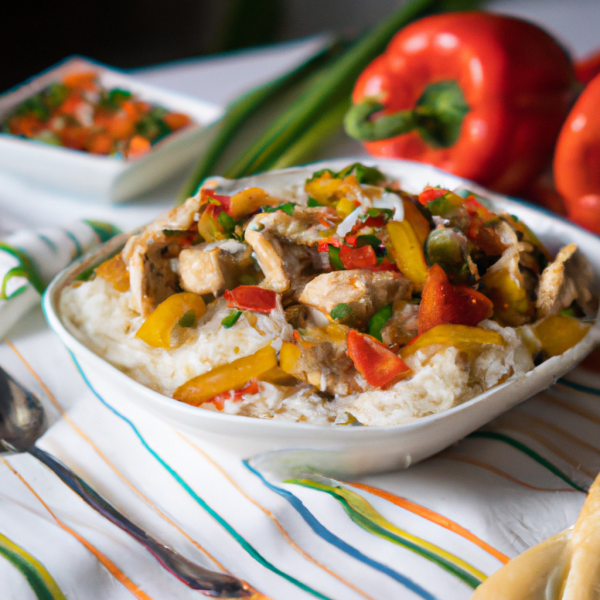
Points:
213	268
327	366
151	278
567	279
403	325
365	292
282	244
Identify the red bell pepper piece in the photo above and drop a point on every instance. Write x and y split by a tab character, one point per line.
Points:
445	304
587	68
236	396
358	258
577	159
206	195
510	84
324	245
251	297
431	193
374	361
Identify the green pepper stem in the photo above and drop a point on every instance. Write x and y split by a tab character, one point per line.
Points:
361	127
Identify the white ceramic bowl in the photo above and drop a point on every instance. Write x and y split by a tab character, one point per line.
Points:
104	178
341	450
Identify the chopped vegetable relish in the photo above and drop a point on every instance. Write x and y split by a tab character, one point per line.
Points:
79	113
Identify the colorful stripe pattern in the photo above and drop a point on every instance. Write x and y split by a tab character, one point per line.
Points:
216	516
357	507
365	516
41	582
336	541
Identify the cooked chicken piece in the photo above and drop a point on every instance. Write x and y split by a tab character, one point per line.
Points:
403	325
365	292
327	366
213	268
151	277
565	280
281	244
180	218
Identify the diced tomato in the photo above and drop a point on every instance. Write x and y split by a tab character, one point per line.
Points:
375	221
100	144
251	297
445	304
74	137
83	81
324	245
358	258
374	361
206	195
138	146
119	126
431	193
28	125
176	120
350	240
236	396
70	105
384	265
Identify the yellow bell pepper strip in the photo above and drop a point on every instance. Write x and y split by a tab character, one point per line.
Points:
512	305
417	221
115	271
248	201
407	252
289	355
157	328
463	337
225	378
277	376
559	333
209	226
374	361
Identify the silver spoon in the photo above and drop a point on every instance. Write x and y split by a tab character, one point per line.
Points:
23	421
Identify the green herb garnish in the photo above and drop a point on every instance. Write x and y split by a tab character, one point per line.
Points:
378	321
287	208
231	319
334	258
188	319
342	312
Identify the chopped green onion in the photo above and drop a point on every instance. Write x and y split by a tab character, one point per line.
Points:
378	321
231	319
341	312
188	319
287	208
227	221
334	258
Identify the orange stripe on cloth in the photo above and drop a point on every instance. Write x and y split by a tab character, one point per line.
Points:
477	463
273	518
147	500
112	568
432	516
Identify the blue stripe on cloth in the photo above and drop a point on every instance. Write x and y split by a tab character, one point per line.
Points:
333	539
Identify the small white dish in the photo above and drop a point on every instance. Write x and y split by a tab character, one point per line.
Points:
104	178
345	450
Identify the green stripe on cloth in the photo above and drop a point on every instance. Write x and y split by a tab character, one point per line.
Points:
41	582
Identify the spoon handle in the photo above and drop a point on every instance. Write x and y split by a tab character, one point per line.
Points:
210	583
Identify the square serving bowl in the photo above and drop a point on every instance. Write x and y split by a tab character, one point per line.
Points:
96	177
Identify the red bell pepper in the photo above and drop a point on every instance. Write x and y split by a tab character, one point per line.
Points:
577	159
374	361
358	258
478	94
431	193
445	304
587	68
236	396
251	297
